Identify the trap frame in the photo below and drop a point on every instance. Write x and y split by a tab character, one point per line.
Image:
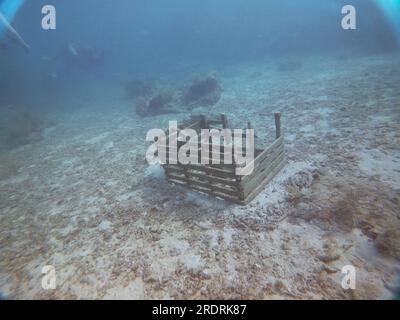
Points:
221	180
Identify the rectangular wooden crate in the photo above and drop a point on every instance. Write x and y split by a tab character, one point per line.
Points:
221	180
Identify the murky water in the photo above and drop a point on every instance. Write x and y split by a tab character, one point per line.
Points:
81	84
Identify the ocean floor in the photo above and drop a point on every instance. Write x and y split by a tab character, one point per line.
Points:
84	200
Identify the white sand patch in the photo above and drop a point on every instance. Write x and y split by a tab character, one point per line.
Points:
318	127
192	262
290	250
213	236
232	273
204	201
92	200
325	111
111	183
86	252
93	210
309	128
275	192
161	269
172	245
290	137
56	210
67	230
227	236
125	197
105	225
97	139
108	146
155	171
70	162
319	157
134	291
18	179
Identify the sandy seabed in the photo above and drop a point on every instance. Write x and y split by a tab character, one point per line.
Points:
84	200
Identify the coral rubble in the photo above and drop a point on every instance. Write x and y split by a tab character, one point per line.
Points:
204	92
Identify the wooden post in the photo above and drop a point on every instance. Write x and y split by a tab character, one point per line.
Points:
224	120
278	124
250	126
204	122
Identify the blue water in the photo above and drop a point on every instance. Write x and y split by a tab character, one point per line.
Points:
391	9
156	37
9	8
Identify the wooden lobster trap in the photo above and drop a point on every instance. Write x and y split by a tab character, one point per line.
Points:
222	180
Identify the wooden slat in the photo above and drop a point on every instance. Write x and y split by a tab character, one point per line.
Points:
275	145
224	120
215	127
224	169
212	193
201	168
219	156
232	183
215	121
203	176
211	147
205	185
250	185
260	165
216	154
261	157
263	162
194	125
214	171
262	185
258	152
278	124
249	181
173	167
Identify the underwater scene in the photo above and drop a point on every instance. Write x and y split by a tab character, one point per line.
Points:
89	89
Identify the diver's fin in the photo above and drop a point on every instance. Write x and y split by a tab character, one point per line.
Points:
13	34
